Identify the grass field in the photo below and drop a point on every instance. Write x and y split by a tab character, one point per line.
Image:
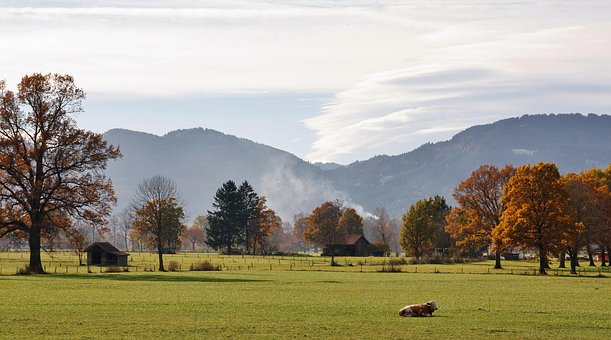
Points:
67	263
281	303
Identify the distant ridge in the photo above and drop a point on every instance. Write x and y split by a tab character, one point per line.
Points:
200	160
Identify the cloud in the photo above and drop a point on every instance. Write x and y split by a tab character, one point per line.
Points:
466	83
400	73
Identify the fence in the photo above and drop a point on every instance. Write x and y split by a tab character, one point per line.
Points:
67	263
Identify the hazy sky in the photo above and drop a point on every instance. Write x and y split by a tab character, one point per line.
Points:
327	80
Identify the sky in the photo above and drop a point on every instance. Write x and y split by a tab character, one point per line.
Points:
330	81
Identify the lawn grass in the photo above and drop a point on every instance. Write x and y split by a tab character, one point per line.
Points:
302	304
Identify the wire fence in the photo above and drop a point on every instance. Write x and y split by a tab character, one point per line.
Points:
12	263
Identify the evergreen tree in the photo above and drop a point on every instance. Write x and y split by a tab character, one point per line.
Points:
226	222
251	212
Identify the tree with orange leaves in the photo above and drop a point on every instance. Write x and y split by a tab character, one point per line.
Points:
324	228
480	209
267	222
537	214
51	172
585	203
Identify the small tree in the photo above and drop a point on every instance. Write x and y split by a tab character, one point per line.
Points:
351	222
537	213
382	229
124	222
300	225
323	226
421	224
158	213
194	235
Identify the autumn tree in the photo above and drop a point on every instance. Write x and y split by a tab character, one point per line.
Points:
300	225
194	235
600	179
421	224
226	222
324	228
50	170
479	209
351	222
537	213
157	212
265	224
584	201
77	236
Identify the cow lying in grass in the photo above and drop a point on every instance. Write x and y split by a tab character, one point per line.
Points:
422	309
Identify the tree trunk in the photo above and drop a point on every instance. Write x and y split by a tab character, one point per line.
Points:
603	259
590	256
160	253
562	259
573	256
497	261
542	262
332	254
35	266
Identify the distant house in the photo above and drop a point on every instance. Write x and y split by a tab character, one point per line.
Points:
352	245
105	254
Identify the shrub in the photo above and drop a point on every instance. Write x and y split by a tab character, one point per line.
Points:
116	269
24	271
174	266
390	269
204	266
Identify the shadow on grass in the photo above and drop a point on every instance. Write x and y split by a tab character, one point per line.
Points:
150	278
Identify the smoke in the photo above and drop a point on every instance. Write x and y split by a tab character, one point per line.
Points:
290	191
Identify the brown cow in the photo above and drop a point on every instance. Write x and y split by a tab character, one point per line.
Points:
422	309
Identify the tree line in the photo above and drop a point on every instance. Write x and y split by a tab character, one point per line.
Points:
531	208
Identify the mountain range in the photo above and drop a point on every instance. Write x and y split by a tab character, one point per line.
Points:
200	160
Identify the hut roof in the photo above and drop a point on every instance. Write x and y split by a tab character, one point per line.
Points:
107	248
352	239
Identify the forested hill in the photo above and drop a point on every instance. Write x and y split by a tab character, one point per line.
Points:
200	160
574	142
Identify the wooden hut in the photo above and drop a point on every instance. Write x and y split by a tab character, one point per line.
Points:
105	254
352	245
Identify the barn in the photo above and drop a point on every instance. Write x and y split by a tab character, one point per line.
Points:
105	254
351	245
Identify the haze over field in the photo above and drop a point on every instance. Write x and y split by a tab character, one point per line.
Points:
324	80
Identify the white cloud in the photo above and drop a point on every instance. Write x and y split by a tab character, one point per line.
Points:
466	81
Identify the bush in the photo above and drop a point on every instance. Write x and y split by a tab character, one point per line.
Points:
397	261
390	269
116	269
24	271
204	266
174	266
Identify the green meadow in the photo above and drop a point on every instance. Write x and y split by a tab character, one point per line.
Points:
294	302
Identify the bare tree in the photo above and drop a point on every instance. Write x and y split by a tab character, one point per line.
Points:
383	231
157	212
124	222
